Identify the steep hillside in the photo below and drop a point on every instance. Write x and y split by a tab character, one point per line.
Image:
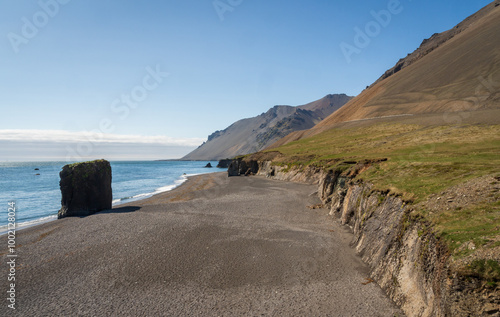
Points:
253	134
452	78
436	40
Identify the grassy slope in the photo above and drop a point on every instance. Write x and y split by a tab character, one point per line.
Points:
421	161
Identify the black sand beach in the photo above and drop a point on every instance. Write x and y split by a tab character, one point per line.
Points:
216	246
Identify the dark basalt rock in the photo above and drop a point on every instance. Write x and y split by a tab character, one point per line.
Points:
208	165
85	188
234	168
241	167
224	163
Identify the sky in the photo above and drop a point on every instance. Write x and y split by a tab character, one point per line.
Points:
130	80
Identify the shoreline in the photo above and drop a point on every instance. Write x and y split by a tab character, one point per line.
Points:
183	192
51	218
163	189
35	185
213	246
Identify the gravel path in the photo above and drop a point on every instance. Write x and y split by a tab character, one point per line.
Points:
241	246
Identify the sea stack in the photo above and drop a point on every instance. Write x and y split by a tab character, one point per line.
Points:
85	188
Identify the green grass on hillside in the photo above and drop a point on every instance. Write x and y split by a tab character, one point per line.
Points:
420	161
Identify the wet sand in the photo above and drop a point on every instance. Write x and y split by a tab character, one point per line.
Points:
215	246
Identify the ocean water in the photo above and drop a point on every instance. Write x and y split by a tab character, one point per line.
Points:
38	197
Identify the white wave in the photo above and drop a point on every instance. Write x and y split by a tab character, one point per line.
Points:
22	225
159	190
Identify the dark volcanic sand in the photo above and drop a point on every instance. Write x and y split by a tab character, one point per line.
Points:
238	247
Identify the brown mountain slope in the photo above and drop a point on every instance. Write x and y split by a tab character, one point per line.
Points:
254	134
436	40
458	80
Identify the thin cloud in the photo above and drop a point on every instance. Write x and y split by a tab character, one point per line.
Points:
61	136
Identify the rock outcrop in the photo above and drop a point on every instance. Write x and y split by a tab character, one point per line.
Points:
85	188
405	256
224	163
242	167
209	165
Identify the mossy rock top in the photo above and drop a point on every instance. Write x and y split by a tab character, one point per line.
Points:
81	164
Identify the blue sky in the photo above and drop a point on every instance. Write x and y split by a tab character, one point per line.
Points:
149	75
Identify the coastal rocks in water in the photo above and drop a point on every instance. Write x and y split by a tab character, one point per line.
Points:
208	165
85	188
224	163
37	169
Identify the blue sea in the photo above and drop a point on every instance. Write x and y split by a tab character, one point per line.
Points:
38	197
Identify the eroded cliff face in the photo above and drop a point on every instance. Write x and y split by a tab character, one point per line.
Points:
406	259
403	261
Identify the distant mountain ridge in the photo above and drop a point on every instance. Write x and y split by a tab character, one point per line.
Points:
254	134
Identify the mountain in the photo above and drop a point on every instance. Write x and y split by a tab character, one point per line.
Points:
254	134
453	77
